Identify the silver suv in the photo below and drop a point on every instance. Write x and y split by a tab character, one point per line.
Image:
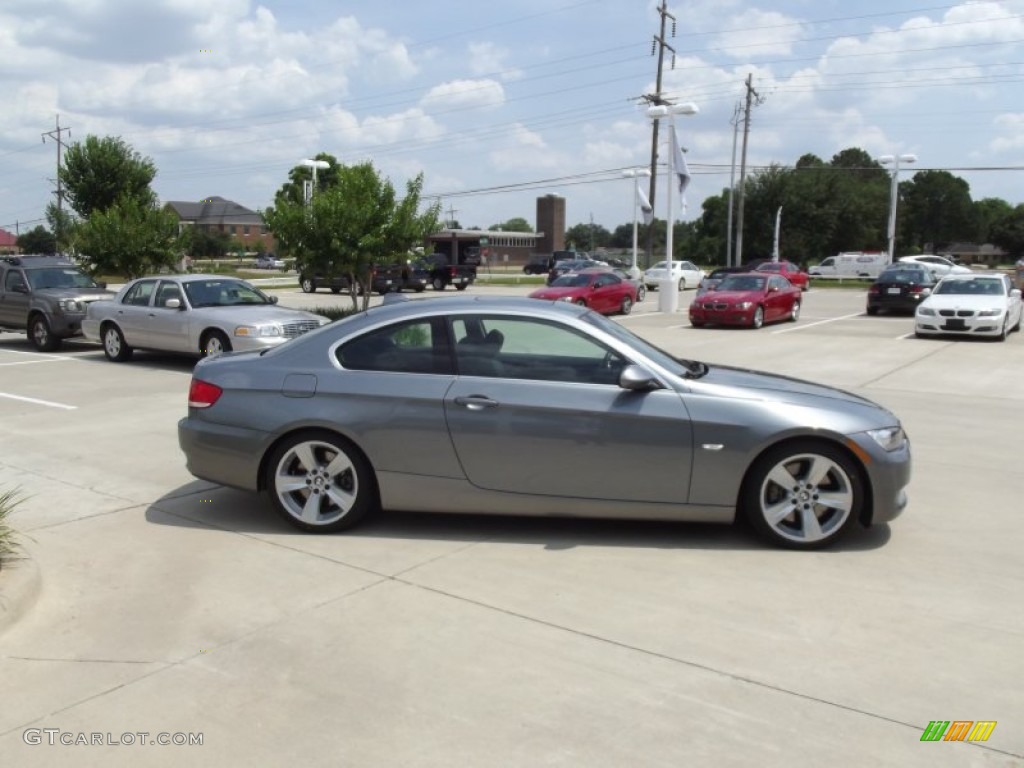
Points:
45	296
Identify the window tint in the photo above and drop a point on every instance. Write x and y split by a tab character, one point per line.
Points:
418	346
166	292
523	348
138	295
13	279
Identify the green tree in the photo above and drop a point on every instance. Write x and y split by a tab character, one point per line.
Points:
353	224
98	172
988	212
517	224
292	191
587	237
935	208
37	240
63	225
204	244
131	238
1008	232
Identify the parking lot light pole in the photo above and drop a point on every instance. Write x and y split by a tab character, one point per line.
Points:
668	290
636	174
894	161
314	164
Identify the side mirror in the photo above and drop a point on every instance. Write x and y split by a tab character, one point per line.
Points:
636	378
273	299
1015	293
173	303
19	288
773	289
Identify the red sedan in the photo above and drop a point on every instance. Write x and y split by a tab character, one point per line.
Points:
789	270
750	299
599	289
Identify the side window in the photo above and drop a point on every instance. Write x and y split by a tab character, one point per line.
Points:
418	346
166	292
138	295
524	348
13	280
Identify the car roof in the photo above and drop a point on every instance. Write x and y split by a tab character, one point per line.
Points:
32	260
401	306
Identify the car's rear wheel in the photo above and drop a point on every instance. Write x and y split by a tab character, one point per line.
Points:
872	311
580	302
320	482
308	285
438	284
114	345
335	290
641	293
803	495
461	287
794	313
758	320
214	343
682	283
41	336
626	306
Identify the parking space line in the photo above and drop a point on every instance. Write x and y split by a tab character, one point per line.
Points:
820	322
34	362
36	401
33	354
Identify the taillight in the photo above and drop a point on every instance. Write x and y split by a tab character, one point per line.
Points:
451	271
203	394
875	289
916	289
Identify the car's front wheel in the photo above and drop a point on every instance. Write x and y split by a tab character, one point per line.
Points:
758	320
794	313
320	482
626	306
214	343
114	345
438	284
803	495
641	293
308	285
41	336
682	283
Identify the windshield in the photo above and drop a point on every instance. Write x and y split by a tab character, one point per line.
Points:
742	283
222	293
673	365
571	281
978	286
59	277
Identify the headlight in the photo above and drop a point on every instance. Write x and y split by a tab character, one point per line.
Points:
927	311
890	438
745	305
71	305
990	313
567	298
259	330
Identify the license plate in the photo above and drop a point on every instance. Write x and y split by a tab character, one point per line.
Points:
893	291
955	325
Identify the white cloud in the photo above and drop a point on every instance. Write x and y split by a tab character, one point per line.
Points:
755	33
524	151
1011	129
489	59
464	93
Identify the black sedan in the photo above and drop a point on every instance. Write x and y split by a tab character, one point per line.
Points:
900	288
570	265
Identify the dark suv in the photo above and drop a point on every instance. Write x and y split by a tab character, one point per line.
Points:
46	296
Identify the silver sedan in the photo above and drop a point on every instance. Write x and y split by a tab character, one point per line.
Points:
192	314
516	406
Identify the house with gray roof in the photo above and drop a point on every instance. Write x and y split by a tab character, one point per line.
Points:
216	214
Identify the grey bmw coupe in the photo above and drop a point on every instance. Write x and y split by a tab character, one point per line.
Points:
521	407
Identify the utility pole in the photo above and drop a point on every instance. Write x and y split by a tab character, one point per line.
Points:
55	135
451	216
735	122
753	99
658	44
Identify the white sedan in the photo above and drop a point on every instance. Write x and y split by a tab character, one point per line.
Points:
684	274
970	305
939	266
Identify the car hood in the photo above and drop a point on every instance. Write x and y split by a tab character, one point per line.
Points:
748	384
732	297
81	294
964	301
556	293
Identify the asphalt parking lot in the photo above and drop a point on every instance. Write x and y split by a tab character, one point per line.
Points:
167	605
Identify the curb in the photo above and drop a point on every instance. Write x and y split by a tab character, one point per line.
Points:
19	589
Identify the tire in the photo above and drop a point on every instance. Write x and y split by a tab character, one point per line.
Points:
758	320
626	306
872	311
114	346
919	335
334	290
580	302
438	284
641	293
697	323
784	491
461	287
1016	327
214	343
1006	330
308	285
794	313
682	283
310	493
420	288
41	336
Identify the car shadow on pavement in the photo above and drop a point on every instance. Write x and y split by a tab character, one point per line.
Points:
198	505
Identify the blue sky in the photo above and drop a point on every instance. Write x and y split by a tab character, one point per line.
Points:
500	102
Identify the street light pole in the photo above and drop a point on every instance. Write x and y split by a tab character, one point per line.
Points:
894	161
314	164
635	174
668	290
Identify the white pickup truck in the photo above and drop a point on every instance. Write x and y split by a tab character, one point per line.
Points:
854	264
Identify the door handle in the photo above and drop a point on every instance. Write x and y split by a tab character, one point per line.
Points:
476	402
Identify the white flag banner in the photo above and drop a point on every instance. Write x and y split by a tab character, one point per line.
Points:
645	206
682	171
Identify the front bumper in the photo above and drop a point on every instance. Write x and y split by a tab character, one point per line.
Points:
723	316
66	324
888	475
959	326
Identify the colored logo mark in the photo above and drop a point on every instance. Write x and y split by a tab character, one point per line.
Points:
958	730
206	50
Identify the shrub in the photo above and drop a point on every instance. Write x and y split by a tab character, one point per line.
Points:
334	313
8	538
